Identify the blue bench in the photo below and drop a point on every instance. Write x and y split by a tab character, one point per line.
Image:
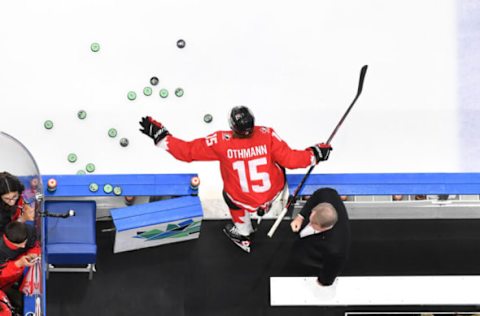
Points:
157	223
72	240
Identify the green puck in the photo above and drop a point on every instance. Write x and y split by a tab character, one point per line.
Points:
95	47
163	93
81	172
107	188
124	142
90	167
207	118
179	92
112	132
147	91
117	190
93	187
131	95
48	124
82	114
72	157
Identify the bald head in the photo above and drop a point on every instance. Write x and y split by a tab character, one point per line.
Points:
324	215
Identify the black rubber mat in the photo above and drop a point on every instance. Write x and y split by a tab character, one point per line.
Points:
212	276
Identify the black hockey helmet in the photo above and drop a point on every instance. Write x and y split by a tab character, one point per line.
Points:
241	120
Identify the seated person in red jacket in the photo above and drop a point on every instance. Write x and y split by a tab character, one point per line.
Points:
18	249
6	308
324	237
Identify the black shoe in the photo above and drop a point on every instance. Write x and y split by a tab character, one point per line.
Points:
241	241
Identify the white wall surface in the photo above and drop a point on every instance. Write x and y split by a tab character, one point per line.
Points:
294	63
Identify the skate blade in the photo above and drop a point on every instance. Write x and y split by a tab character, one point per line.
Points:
244	248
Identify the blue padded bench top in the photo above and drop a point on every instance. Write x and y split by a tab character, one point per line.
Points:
153	213
389	183
73	239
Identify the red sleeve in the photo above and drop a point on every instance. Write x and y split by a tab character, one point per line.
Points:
10	270
18	210
290	158
10	274
198	149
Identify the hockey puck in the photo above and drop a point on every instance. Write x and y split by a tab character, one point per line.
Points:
48	124
207	118
124	142
117	190
131	95
179	92
82	114
95	47
181	43
72	157
194	182
51	185
154	81
163	93
93	187
147	91
90	167
112	133
107	188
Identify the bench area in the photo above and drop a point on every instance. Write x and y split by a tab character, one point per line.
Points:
386	290
70	243
180	214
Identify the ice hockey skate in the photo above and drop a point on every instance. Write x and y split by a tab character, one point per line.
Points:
241	241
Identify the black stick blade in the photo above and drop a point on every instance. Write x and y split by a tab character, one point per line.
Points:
363	72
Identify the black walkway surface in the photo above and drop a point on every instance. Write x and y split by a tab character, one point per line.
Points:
211	276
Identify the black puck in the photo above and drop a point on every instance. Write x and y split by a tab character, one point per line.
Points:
180	43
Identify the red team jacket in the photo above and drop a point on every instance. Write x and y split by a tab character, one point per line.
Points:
9	272
251	168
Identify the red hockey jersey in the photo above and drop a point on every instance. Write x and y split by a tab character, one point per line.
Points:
251	168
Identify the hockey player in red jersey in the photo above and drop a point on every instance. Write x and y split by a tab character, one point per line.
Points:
252	161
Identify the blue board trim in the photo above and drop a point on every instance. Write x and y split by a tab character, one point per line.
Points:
131	184
389	183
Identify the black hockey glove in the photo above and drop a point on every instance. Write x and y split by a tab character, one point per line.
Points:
321	151
153	129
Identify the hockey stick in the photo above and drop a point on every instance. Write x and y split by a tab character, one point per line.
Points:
280	217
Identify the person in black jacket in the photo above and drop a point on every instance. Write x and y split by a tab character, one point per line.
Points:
13	205
324	237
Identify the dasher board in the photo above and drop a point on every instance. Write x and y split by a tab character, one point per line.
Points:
376	290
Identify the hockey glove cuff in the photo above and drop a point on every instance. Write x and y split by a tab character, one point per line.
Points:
321	151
